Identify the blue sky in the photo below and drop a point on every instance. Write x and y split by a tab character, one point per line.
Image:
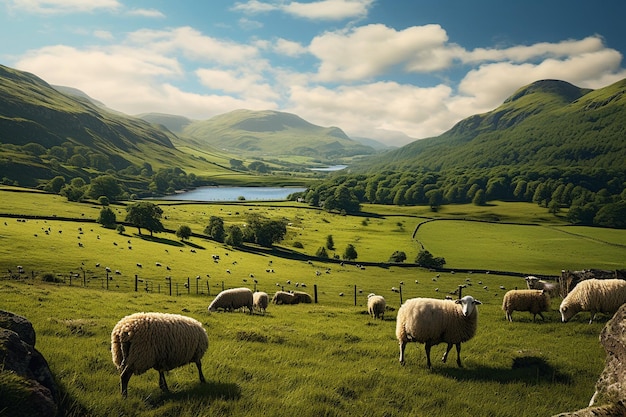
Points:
392	70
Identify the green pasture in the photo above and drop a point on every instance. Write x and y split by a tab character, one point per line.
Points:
328	358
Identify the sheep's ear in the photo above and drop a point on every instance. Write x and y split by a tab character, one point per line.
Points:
457	301
476	302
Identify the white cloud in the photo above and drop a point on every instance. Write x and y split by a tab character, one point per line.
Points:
63	6
369	51
103	34
151	13
289	48
246	84
316	10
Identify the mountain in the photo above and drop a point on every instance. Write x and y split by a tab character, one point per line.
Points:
172	122
546	123
45	132
273	133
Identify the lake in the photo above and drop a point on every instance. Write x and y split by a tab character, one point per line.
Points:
233	193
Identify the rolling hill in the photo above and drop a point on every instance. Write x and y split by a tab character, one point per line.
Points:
273	133
45	132
546	123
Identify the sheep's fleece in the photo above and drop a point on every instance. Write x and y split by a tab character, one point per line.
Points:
594	295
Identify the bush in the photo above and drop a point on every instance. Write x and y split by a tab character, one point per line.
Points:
397	256
50	277
298	245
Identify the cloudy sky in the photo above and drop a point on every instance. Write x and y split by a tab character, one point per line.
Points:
392	70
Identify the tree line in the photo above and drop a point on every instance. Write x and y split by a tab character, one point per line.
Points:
592	196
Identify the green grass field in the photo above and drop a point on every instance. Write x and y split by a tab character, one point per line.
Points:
328	358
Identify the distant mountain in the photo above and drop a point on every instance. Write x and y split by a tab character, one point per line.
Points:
173	123
546	123
273	133
42	128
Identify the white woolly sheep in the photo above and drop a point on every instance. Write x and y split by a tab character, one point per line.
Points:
432	321
533	301
260	300
232	299
302	297
160	341
594	295
534	283
376	305
284	297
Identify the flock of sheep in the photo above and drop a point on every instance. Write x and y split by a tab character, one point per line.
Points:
142	341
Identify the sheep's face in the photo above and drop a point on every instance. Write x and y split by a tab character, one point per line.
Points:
567	311
468	304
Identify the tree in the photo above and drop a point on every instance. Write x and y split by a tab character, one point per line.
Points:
234	236
183	232
435	198
105	185
425	259
612	215
215	228
259	167
55	184
145	215
350	253
321	253
343	199
480	198
330	244
397	256
107	218
265	232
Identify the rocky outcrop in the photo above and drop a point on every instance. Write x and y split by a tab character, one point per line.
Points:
29	384
609	399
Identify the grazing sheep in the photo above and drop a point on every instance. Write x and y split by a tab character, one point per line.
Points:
160	341
284	297
533	301
534	283
376	305
432	321
260	300
232	299
594	295
302	297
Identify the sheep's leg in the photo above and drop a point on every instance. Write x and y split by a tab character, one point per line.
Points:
427	347
124	378
163	382
458	355
593	316
445	355
199	365
402	346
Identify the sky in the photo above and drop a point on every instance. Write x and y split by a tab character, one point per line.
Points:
391	70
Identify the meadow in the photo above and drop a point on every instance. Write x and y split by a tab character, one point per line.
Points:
324	359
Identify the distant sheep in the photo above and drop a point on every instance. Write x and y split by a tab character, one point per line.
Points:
302	297
432	321
260	300
232	299
284	297
533	301
534	283
376	305
160	341
594	295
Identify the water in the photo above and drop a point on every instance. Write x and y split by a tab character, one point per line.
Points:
233	193
331	168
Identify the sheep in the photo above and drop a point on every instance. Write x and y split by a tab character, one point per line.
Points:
161	341
432	321
284	297
260	300
376	305
594	295
302	297
232	299
534	283
533	301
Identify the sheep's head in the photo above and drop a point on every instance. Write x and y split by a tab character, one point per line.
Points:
568	310
468	303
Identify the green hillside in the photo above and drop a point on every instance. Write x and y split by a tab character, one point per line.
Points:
547	123
271	134
45	132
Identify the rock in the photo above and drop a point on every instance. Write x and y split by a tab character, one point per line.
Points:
611	386
35	393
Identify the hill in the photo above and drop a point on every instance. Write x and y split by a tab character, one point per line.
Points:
47	131
546	123
273	133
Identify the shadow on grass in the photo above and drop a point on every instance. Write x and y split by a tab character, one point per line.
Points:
531	370
161	240
210	390
194	245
